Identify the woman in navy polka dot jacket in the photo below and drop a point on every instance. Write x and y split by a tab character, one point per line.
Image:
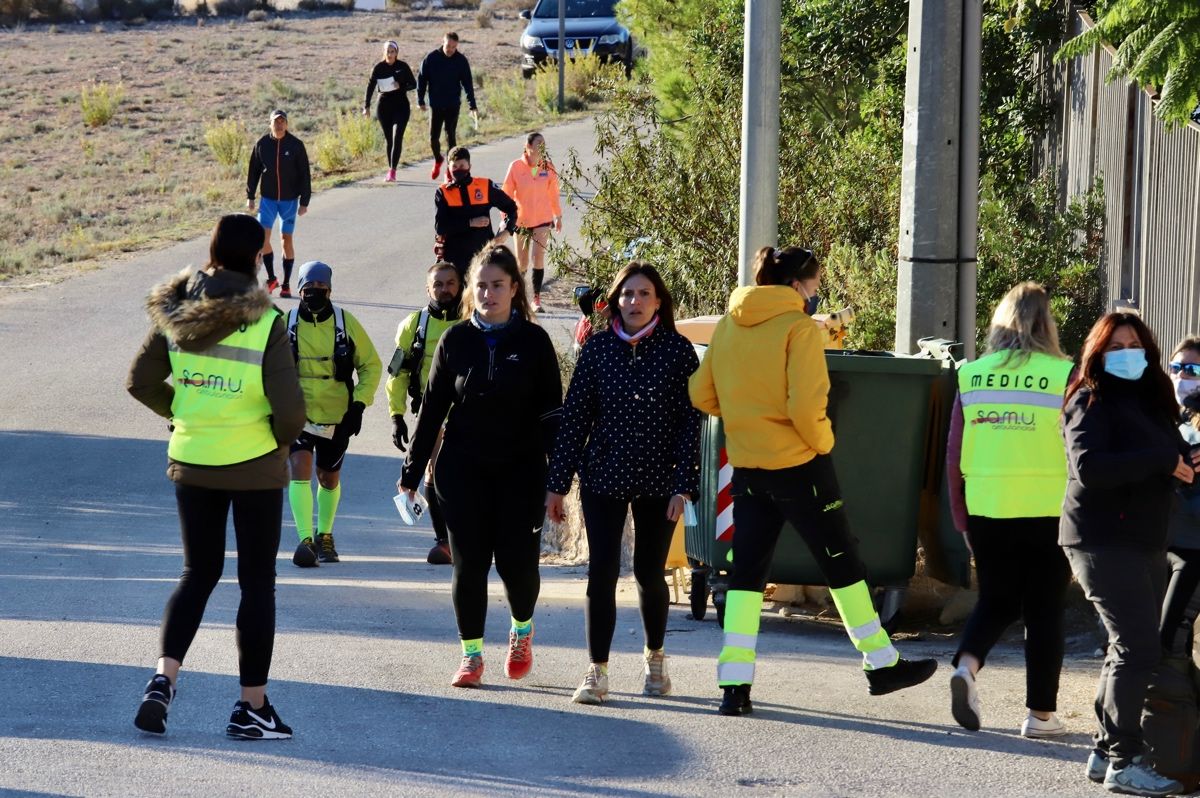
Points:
631	433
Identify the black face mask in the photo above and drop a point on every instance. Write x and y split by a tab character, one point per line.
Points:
315	299
461	176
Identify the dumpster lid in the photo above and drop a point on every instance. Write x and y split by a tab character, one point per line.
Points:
870	361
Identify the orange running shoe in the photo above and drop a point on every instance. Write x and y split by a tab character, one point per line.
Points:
470	672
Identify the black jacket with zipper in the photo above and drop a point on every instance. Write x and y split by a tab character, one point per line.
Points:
628	427
499	392
1121	453
279	170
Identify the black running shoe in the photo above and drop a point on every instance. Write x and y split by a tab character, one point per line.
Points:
325	550
905	673
263	723
306	554
152	714
736	700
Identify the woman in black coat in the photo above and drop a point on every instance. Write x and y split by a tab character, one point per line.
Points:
495	384
1124	458
631	433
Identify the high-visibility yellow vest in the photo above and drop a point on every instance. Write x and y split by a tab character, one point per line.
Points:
1013	457
220	411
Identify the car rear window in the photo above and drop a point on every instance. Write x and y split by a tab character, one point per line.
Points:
548	9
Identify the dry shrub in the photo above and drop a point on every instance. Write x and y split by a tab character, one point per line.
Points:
331	153
99	101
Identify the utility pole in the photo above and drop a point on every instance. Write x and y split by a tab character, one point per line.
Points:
562	55
940	177
759	195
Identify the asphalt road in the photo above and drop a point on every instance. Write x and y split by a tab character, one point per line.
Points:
89	552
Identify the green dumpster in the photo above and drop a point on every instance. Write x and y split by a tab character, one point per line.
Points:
882	409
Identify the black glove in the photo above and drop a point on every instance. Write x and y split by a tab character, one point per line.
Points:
399	432
351	423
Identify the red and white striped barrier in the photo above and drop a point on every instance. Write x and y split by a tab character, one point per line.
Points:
724	524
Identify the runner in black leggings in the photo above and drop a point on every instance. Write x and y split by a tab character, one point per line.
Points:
631	432
394	80
495	381
228	450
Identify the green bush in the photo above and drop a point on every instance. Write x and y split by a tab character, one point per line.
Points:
227	140
864	281
99	102
331	153
1026	237
545	87
360	134
507	98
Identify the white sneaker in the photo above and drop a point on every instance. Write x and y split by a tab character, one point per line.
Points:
537	303
1037	729
964	699
657	680
1139	778
594	688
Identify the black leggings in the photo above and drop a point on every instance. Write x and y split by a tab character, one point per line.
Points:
257	515
437	118
393	118
1023	576
808	497
604	518
491	511
1182	603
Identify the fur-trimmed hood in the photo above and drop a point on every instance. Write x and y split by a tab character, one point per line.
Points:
198	309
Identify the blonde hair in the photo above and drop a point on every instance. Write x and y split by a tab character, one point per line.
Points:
502	258
1022	324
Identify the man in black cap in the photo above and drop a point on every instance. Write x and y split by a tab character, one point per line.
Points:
462	219
279	169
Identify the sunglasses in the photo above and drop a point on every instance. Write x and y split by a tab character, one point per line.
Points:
1189	370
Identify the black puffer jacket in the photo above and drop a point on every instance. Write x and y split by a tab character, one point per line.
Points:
500	393
1121	453
629	428
281	167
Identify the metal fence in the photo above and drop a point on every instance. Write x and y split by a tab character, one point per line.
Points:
1151	181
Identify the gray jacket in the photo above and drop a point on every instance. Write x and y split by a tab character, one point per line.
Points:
1184	529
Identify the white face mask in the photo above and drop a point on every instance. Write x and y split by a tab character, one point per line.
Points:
1184	388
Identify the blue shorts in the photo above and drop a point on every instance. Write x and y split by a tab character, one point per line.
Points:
269	210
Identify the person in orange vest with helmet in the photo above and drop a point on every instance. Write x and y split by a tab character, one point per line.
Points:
463	206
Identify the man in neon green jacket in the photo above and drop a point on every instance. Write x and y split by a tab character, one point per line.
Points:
416	340
339	372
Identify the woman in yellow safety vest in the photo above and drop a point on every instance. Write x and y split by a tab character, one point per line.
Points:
1006	444
217	363
764	374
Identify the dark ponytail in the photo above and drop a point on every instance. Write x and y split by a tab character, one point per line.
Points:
784	266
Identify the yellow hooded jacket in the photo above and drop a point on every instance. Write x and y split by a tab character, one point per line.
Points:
764	374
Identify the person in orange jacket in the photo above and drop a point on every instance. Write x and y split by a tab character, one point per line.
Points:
532	182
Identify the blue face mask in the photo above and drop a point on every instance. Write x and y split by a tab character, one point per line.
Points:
810	303
1128	364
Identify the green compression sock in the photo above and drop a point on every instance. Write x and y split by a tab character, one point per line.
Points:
301	498
327	504
473	648
522	628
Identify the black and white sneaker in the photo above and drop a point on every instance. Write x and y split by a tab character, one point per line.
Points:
152	714
263	723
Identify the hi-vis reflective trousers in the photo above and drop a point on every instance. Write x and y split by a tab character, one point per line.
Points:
806	496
